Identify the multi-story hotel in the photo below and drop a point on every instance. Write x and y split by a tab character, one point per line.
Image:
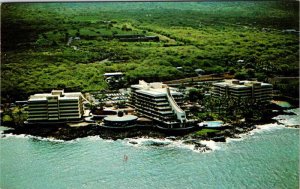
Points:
160	103
258	91
55	106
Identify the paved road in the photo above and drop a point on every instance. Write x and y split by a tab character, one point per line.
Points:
200	78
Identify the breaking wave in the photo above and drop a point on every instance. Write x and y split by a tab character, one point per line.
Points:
24	136
155	142
284	121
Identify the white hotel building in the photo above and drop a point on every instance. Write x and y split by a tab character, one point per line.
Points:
160	103
55	106
258	91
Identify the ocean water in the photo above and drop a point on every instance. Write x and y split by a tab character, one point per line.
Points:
268	157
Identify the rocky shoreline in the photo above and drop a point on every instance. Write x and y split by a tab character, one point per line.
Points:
64	132
68	133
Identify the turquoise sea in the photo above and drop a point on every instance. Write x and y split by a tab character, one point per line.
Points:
268	157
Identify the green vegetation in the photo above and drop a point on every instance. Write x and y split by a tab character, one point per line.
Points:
288	86
205	131
195	95
14	116
228	109
38	53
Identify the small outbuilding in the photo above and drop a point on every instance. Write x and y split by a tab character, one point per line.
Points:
113	77
199	71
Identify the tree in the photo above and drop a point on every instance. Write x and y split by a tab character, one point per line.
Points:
195	95
241	75
78	33
124	27
6	119
66	36
18	116
121	104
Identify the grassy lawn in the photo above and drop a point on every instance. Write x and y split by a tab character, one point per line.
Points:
205	131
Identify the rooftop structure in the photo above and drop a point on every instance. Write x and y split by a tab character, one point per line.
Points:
113	74
120	120
55	106
258	91
99	114
159	102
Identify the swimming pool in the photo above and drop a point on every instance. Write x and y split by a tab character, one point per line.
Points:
211	124
283	104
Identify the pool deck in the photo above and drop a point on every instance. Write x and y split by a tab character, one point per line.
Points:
81	124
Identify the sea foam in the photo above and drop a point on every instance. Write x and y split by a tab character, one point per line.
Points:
284	120
211	144
145	142
24	136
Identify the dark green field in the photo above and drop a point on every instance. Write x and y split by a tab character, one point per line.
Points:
213	36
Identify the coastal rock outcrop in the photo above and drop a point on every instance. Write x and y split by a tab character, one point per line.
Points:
293	126
201	147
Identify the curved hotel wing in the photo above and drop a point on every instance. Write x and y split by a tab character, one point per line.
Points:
158	102
55	106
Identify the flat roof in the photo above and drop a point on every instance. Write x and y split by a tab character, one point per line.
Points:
66	96
241	84
116	118
153	89
224	84
156	92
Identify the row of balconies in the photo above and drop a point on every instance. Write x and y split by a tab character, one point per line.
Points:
150	111
37	102
69	108
46	103
249	89
163	108
263	92
37	105
53	117
155	99
37	119
69	105
68	100
52	112
141	106
159	107
230	93
53	101
69	117
151	103
155	117
69	114
52	107
38	111
38	114
150	98
138	95
153	108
